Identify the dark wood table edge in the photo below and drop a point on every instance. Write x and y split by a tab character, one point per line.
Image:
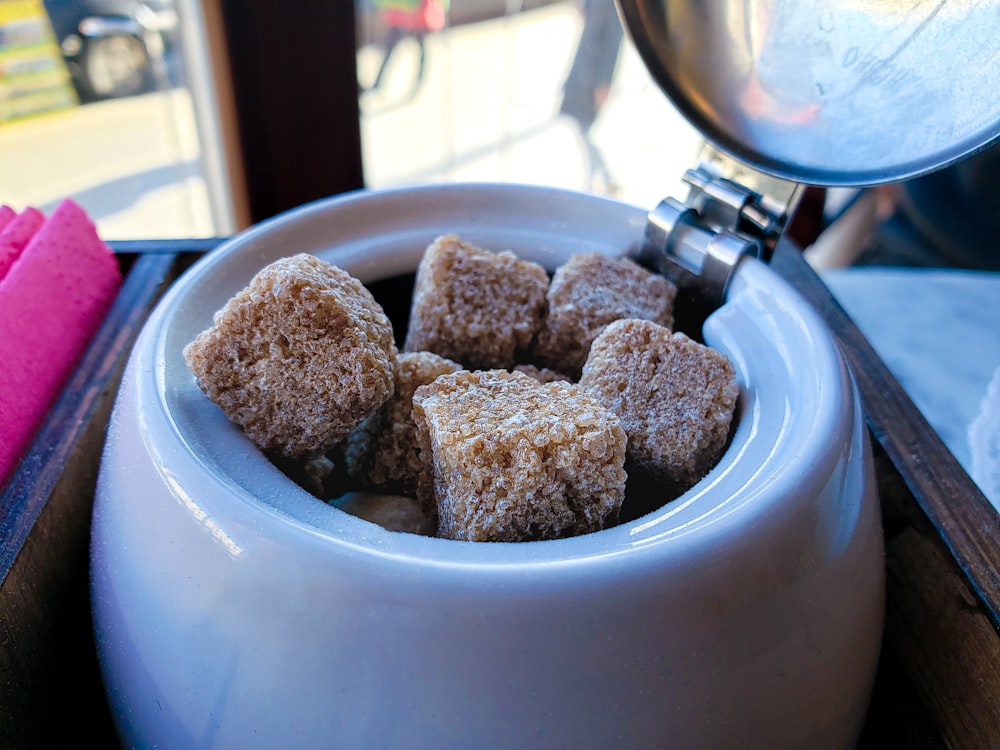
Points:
941	649
48	659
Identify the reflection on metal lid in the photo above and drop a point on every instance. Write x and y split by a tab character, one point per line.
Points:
829	92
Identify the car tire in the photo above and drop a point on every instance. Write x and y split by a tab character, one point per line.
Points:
114	66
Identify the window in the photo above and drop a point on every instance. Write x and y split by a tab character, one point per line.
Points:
483	99
96	103
190	119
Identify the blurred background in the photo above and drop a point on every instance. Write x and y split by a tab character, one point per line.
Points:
181	118
120	104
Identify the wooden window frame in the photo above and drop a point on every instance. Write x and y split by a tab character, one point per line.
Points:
292	67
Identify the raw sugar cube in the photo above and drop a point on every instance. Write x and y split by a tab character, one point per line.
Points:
513	459
382	452
298	358
675	398
475	306
589	291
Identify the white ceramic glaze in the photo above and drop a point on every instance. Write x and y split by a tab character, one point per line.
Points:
232	609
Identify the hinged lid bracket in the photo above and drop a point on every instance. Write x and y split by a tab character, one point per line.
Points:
698	243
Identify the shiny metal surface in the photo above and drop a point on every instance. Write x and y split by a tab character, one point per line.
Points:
829	92
731	212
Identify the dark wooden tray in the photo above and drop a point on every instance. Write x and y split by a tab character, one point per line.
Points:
47	658
938	683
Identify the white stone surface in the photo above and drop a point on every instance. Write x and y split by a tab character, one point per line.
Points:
938	331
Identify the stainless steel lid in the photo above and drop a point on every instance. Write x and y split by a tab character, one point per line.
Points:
829	92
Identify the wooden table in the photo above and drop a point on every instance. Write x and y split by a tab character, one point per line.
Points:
938	683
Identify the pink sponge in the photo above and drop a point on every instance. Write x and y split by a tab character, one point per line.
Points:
52	300
6	214
15	235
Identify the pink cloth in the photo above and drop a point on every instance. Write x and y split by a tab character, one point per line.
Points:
15	235
6	214
52	300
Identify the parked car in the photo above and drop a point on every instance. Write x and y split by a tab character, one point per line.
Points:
113	48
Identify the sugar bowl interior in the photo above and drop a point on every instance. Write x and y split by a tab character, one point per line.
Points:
233	608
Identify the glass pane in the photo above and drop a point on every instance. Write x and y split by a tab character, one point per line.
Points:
491	97
97	106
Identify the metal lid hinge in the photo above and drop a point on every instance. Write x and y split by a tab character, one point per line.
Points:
699	243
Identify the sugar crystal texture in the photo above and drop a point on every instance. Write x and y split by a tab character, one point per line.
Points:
474	306
542	374
382	452
299	358
589	291
514	459
391	512
675	397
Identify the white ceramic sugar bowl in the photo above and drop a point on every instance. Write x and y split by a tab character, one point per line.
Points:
233	609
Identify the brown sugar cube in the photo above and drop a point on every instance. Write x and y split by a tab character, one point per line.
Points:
382	451
315	475
475	306
675	398
299	358
589	291
391	512
542	374
513	459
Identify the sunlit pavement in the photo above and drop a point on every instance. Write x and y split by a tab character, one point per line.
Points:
487	110
132	163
